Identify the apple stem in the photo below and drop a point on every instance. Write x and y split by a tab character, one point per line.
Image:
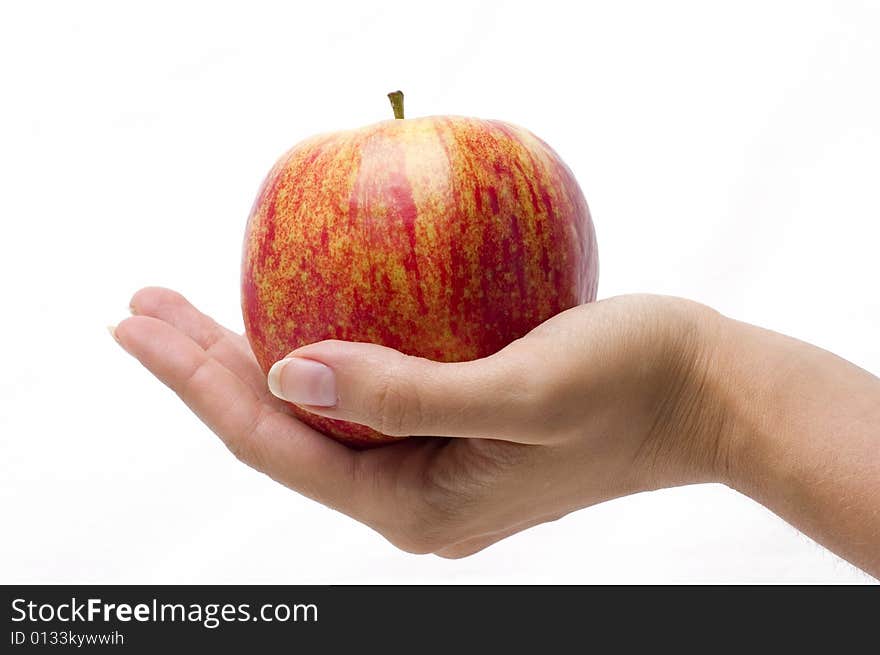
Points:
396	98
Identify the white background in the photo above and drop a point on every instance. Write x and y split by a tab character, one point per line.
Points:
730	153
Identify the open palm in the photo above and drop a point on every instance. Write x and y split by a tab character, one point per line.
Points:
600	401
414	492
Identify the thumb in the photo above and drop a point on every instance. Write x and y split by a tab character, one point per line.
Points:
401	395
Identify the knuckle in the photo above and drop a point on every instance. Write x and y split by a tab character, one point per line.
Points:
189	386
522	391
150	300
397	406
243	451
246	452
245	448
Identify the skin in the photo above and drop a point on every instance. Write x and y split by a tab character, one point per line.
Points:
616	397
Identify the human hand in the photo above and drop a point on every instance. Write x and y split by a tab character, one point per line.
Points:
601	401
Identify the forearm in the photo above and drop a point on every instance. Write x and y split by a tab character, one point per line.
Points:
803	437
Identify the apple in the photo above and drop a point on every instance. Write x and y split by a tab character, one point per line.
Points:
443	237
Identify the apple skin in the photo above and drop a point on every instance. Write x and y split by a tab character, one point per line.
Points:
443	237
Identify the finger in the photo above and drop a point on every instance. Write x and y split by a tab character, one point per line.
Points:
400	395
229	348
259	435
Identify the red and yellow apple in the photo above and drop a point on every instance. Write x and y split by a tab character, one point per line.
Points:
442	237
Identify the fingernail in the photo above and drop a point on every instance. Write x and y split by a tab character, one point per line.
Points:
112	330
303	381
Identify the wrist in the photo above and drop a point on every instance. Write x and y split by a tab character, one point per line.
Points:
787	405
692	433
737	385
711	421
